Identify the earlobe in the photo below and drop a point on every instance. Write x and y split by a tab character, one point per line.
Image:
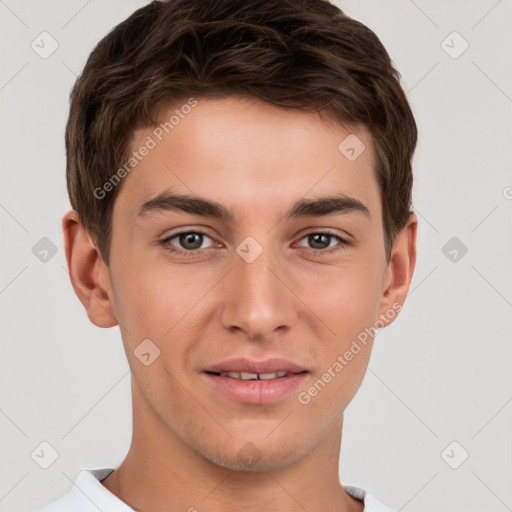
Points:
400	270
88	273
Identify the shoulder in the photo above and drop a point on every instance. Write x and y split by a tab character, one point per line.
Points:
87	495
371	503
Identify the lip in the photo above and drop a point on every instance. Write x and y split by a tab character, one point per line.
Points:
269	365
259	392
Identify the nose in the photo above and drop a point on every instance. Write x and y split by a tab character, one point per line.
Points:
259	298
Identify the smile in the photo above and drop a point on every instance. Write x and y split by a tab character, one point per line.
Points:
255	389
254	376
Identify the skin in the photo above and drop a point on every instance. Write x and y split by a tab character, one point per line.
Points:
293	301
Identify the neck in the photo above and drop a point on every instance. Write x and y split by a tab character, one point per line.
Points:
162	473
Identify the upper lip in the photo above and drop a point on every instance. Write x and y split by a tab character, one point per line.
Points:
270	365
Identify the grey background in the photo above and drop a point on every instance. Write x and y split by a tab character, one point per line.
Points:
440	374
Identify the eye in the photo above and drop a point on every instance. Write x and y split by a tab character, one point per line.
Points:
190	241
322	241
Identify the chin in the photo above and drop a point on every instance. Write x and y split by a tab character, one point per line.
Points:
253	460
256	456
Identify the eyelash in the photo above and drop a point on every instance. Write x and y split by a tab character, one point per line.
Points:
198	252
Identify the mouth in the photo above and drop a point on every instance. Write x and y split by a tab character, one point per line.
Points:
255	382
254	376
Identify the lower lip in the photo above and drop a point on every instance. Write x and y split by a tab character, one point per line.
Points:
257	391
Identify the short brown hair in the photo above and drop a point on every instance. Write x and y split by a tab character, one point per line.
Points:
303	54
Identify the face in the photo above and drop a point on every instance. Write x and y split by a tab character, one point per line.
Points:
247	304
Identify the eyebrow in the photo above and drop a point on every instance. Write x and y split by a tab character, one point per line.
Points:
314	207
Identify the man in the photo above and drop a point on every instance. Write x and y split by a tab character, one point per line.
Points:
240	177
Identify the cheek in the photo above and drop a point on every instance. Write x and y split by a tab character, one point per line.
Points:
345	297
346	308
164	305
148	307
151	299
345	301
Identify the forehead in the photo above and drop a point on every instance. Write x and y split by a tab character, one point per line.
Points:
250	156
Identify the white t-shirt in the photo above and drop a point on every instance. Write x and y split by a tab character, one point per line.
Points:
89	495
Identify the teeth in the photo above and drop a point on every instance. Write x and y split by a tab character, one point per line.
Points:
248	376
233	375
253	376
274	375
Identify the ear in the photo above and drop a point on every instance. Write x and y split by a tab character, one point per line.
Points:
399	272
89	274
